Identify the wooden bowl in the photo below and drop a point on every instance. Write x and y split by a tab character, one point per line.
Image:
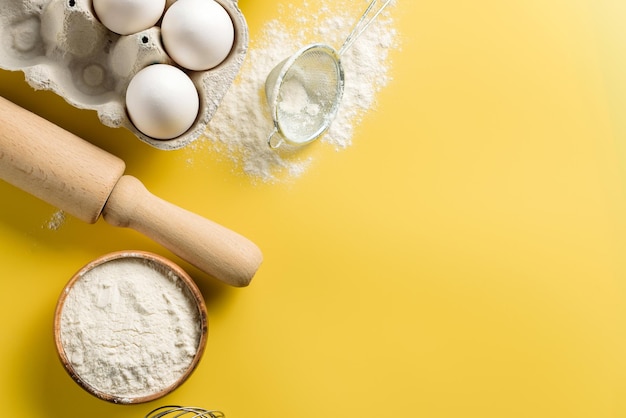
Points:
74	355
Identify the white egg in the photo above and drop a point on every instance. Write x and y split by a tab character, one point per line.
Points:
162	101
197	34
128	16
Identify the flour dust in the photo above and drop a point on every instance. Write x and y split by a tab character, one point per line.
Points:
56	221
242	123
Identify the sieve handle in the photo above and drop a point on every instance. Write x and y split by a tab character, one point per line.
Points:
365	20
275	139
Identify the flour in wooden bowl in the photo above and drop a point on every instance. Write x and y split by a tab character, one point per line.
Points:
130	327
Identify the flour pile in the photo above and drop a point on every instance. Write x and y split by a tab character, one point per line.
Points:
128	329
242	123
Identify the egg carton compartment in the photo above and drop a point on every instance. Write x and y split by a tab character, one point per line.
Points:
61	46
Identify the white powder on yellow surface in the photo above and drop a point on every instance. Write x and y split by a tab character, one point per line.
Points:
240	127
56	221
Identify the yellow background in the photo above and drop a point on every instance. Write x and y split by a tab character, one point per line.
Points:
463	258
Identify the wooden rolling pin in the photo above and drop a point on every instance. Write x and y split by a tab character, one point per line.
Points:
86	181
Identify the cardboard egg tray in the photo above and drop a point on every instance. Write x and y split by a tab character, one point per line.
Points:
61	46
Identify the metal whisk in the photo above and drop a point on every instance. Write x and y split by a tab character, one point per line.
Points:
304	90
174	411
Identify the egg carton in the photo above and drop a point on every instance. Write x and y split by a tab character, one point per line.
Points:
61	46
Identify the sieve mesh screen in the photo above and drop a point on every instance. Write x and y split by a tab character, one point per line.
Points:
309	95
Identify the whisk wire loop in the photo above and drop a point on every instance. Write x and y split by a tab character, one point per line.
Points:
175	411
362	24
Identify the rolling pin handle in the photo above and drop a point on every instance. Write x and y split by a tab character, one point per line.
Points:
212	248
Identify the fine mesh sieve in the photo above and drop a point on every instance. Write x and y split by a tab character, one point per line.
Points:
304	91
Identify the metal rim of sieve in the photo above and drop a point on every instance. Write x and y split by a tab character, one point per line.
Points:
273	86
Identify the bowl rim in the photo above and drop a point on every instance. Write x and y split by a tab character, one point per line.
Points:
163	262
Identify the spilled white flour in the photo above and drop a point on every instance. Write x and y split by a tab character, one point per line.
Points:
242	123
56	221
